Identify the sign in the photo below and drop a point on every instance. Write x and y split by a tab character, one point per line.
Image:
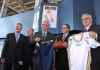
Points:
50	15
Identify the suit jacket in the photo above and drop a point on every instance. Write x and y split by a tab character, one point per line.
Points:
95	53
96	28
48	37
72	32
66	39
32	48
15	51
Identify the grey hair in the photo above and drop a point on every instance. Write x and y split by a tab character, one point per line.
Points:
86	14
19	23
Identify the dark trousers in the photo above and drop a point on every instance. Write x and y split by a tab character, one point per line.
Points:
61	59
95	66
95	56
15	66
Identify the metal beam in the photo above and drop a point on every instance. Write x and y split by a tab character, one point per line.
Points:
31	2
3	8
10	7
12	10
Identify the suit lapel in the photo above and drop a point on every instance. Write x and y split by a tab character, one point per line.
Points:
91	28
66	38
14	39
19	38
47	36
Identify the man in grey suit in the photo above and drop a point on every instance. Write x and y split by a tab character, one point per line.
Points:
43	39
45	35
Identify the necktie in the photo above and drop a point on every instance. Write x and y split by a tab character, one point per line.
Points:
64	36
44	35
17	37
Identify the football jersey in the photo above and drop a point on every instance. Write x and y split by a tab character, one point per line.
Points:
79	48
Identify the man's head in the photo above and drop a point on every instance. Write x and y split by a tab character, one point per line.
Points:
65	28
18	27
86	20
45	26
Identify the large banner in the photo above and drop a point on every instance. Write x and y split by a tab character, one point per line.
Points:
50	15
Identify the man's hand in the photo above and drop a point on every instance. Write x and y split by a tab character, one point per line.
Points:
37	39
20	62
93	34
2	60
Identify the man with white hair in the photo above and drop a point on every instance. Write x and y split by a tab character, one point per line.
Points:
87	22
15	49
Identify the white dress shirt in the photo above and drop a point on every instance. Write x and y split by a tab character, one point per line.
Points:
17	36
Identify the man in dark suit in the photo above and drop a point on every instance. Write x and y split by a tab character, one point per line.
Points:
45	39
87	21
65	32
15	51
45	35
61	59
